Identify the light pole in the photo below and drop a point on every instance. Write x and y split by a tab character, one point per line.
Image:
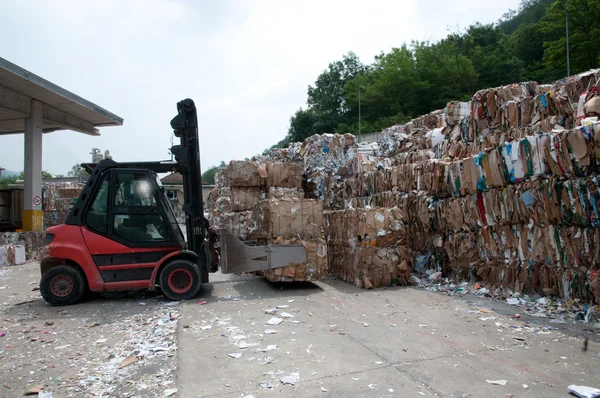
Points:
567	29
359	107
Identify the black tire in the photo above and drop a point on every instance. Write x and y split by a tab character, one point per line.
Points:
63	285
180	280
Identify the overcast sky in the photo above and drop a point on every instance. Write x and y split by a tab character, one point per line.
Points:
246	64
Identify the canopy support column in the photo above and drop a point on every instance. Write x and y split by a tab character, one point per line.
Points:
33	216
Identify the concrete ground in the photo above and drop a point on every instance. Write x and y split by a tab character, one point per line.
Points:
340	342
80	351
397	342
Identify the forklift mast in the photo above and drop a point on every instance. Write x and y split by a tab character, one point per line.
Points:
187	156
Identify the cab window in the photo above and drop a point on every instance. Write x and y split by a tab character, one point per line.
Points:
97	215
137	218
134	190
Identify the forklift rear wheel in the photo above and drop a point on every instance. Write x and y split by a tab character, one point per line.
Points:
63	285
180	280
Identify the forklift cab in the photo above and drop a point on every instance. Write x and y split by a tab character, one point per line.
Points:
128	206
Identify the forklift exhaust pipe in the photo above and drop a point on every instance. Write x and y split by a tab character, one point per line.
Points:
238	257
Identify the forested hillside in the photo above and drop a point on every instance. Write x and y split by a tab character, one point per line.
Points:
418	77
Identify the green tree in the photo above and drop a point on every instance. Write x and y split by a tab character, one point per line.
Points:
5	181
445	73
530	12
389	92
491	54
584	35
326	101
46	175
303	124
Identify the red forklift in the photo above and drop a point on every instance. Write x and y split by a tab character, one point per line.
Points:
122	234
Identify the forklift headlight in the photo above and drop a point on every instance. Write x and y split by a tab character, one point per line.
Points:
48	238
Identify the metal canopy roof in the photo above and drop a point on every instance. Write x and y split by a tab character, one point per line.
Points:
62	109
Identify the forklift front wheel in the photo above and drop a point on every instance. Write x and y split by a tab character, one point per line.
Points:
63	285
180	280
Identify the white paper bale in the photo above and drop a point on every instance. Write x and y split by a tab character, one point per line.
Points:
16	255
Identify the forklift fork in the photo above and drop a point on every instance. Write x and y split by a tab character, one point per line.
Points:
238	257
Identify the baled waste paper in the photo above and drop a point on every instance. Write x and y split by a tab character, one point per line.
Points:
503	188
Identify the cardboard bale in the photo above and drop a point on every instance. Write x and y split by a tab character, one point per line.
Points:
284	175
377	222
367	266
340	226
289	218
378	226
314	269
242	173
461	247
69	192
548	260
457	111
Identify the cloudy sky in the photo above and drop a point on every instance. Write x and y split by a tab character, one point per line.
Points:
246	64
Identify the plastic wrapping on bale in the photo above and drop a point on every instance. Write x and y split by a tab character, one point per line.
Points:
54	217
314	269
